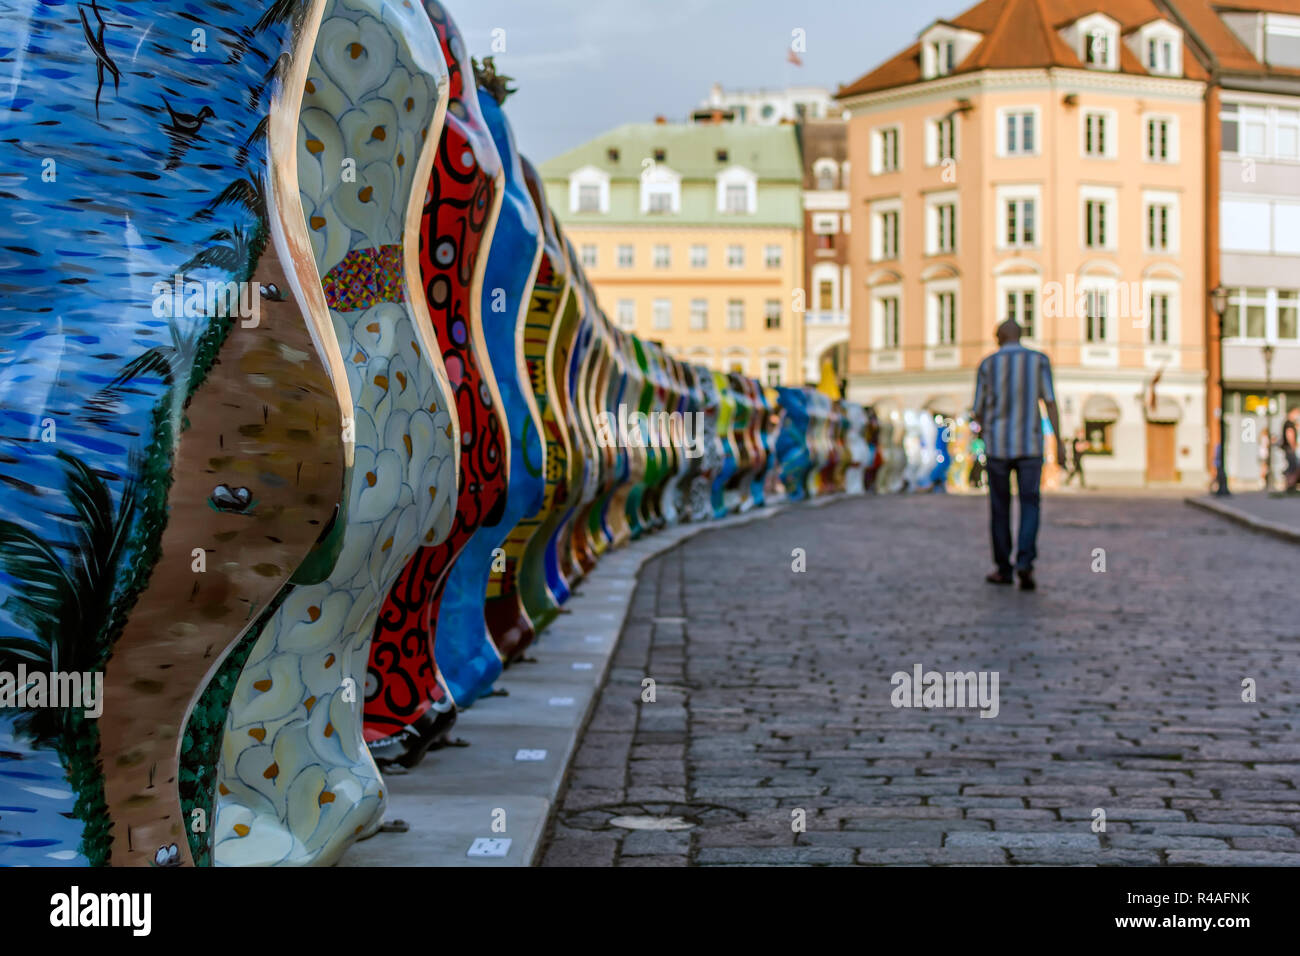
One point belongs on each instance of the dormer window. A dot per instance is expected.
(1097, 49)
(945, 57)
(737, 192)
(1159, 45)
(589, 190)
(824, 171)
(1095, 39)
(661, 155)
(661, 191)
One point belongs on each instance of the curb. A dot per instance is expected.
(453, 798)
(1249, 521)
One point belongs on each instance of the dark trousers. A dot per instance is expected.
(1028, 473)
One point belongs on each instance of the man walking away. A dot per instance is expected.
(1008, 387)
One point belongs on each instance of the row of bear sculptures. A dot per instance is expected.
(311, 422)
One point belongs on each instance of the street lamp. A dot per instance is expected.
(1268, 415)
(1219, 300)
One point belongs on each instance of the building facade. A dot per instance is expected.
(1252, 51)
(691, 235)
(1040, 160)
(794, 104)
(828, 285)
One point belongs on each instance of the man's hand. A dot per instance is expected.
(1060, 450)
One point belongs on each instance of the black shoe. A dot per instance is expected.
(998, 577)
(1027, 580)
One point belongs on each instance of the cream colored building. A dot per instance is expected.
(1041, 160)
(691, 236)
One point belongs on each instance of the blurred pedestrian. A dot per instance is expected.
(1078, 445)
(1292, 475)
(1009, 385)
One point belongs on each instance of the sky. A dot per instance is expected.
(585, 66)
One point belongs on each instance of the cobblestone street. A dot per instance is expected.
(1118, 690)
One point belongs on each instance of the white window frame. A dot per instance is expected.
(735, 256)
(1110, 196)
(1004, 146)
(1109, 130)
(879, 295)
(879, 139)
(822, 167)
(773, 256)
(878, 211)
(699, 256)
(1270, 118)
(627, 314)
(1171, 289)
(935, 154)
(1171, 138)
(737, 176)
(735, 315)
(1096, 25)
(588, 176)
(659, 179)
(767, 315)
(1008, 194)
(934, 291)
(589, 255)
(627, 261)
(1019, 286)
(1104, 351)
(699, 315)
(1171, 202)
(1161, 32)
(661, 256)
(825, 223)
(661, 315)
(935, 204)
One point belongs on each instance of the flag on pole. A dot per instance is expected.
(793, 57)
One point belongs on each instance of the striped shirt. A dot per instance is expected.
(1008, 385)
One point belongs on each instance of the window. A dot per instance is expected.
(612, 154)
(945, 139)
(1158, 317)
(772, 257)
(661, 155)
(661, 191)
(1019, 133)
(1267, 132)
(627, 314)
(1094, 225)
(1264, 315)
(659, 201)
(887, 322)
(1286, 136)
(588, 255)
(661, 312)
(1096, 312)
(737, 198)
(626, 259)
(885, 240)
(720, 155)
(943, 221)
(735, 257)
(1097, 48)
(772, 313)
(588, 197)
(1021, 306)
(825, 295)
(1021, 215)
(885, 152)
(1160, 145)
(1095, 135)
(1159, 219)
(1229, 127)
(945, 57)
(1259, 225)
(1160, 55)
(773, 373)
(1098, 437)
(735, 315)
(826, 175)
(945, 314)
(699, 257)
(699, 315)
(661, 257)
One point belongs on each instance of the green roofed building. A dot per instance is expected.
(691, 235)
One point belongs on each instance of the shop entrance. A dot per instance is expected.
(1160, 452)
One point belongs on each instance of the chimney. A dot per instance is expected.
(660, 120)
